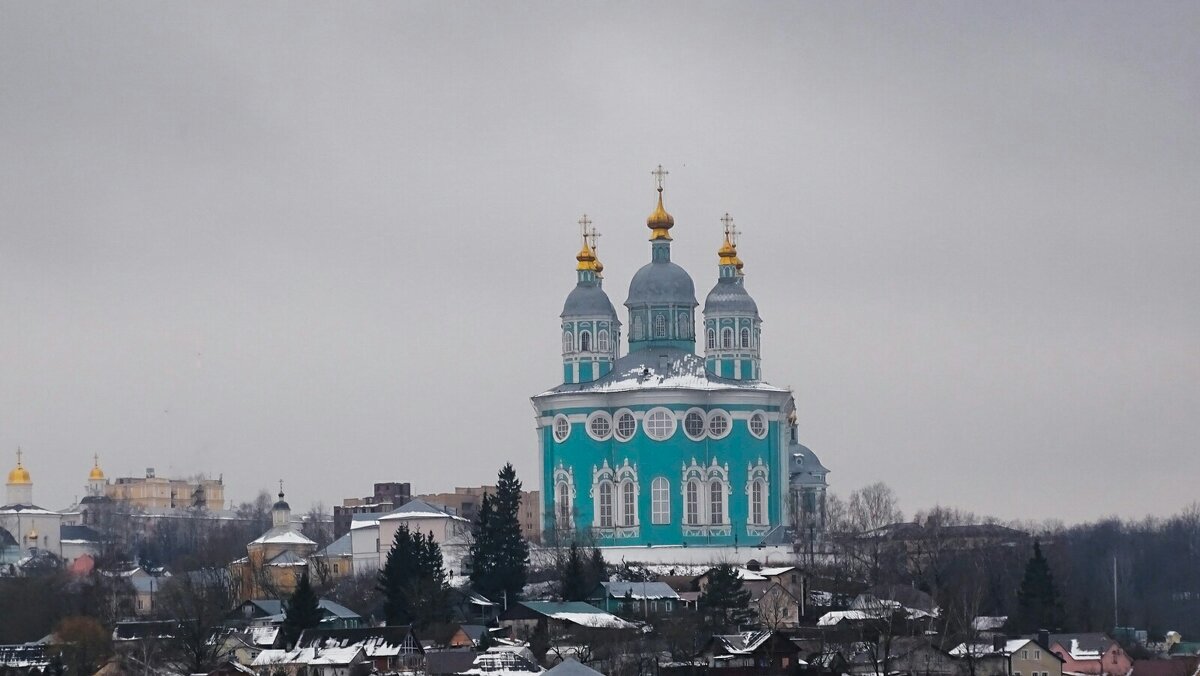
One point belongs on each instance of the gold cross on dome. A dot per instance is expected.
(584, 222)
(592, 235)
(18, 455)
(659, 174)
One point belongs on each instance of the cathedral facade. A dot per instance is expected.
(679, 441)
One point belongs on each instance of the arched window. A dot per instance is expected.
(660, 326)
(606, 504)
(685, 328)
(712, 339)
(692, 503)
(745, 337)
(568, 342)
(716, 503)
(628, 504)
(602, 341)
(758, 504)
(585, 342)
(660, 501)
(727, 338)
(637, 328)
(563, 502)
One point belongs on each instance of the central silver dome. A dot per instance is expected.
(661, 283)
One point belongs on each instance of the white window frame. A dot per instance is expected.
(585, 341)
(659, 413)
(602, 341)
(712, 417)
(596, 416)
(628, 495)
(703, 423)
(604, 512)
(717, 491)
(559, 435)
(660, 326)
(758, 502)
(660, 500)
(692, 506)
(766, 424)
(727, 338)
(711, 342)
(617, 418)
(568, 342)
(744, 337)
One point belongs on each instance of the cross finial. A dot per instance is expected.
(592, 235)
(18, 456)
(584, 222)
(96, 459)
(281, 488)
(659, 174)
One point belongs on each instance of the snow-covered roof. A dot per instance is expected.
(989, 622)
(744, 643)
(263, 636)
(572, 667)
(26, 509)
(310, 656)
(374, 641)
(980, 649)
(762, 573)
(646, 369)
(419, 509)
(287, 558)
(575, 612)
(364, 523)
(639, 590)
(282, 535)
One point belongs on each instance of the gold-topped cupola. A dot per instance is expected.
(19, 476)
(660, 222)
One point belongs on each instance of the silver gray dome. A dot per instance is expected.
(661, 283)
(588, 300)
(730, 296)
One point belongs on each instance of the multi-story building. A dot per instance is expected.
(465, 501)
(664, 446)
(385, 498)
(155, 494)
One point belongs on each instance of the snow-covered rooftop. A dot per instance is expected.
(282, 535)
(660, 369)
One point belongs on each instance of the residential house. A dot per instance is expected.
(1176, 666)
(465, 502)
(906, 655)
(270, 613)
(753, 651)
(1013, 657)
(572, 667)
(309, 661)
(1091, 653)
(503, 660)
(388, 649)
(365, 546)
(386, 497)
(636, 599)
(524, 617)
(334, 561)
(470, 607)
(776, 593)
(452, 533)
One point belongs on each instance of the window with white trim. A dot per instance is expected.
(636, 334)
(716, 503)
(712, 339)
(585, 342)
(628, 504)
(568, 342)
(659, 424)
(758, 503)
(626, 425)
(692, 503)
(562, 504)
(757, 424)
(606, 504)
(602, 340)
(718, 424)
(660, 500)
(660, 326)
(562, 428)
(599, 426)
(745, 337)
(727, 338)
(693, 424)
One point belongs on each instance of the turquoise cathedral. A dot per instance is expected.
(666, 446)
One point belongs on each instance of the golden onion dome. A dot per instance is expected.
(660, 222)
(19, 475)
(586, 258)
(728, 253)
(96, 474)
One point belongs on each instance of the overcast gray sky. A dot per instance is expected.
(329, 242)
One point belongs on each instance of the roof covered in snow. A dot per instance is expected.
(668, 368)
(639, 590)
(419, 509)
(575, 612)
(282, 535)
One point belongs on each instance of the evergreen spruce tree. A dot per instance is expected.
(1038, 603)
(413, 581)
(575, 577)
(725, 604)
(303, 611)
(597, 569)
(500, 555)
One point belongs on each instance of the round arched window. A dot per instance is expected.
(659, 424)
(757, 424)
(562, 428)
(718, 424)
(599, 426)
(625, 424)
(693, 424)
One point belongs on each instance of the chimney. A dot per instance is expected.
(1043, 637)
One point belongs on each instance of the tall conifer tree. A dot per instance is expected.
(303, 611)
(500, 555)
(1038, 603)
(413, 580)
(725, 604)
(575, 577)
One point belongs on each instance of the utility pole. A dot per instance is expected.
(1115, 622)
